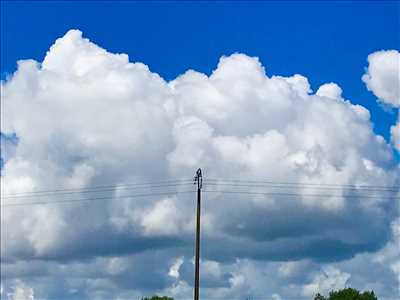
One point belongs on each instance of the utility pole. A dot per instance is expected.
(199, 180)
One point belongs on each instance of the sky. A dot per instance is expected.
(112, 93)
(324, 41)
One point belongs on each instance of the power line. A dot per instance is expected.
(92, 190)
(323, 196)
(281, 186)
(298, 195)
(104, 186)
(301, 183)
(93, 199)
(207, 182)
(216, 182)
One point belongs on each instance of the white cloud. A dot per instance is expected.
(162, 218)
(329, 279)
(395, 135)
(116, 265)
(330, 90)
(180, 290)
(292, 268)
(383, 79)
(390, 254)
(86, 117)
(276, 297)
(174, 270)
(383, 76)
(21, 292)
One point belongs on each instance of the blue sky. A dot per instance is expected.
(324, 41)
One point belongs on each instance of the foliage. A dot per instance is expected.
(158, 298)
(347, 294)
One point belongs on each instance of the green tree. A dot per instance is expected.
(158, 298)
(347, 294)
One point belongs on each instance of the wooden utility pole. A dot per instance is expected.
(199, 180)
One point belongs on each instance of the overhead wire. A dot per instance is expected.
(280, 186)
(101, 187)
(294, 194)
(156, 188)
(86, 191)
(213, 180)
(322, 196)
(93, 199)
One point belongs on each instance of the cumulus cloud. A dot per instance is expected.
(174, 270)
(86, 117)
(382, 76)
(330, 90)
(21, 291)
(390, 255)
(329, 279)
(395, 135)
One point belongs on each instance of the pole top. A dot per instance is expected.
(198, 179)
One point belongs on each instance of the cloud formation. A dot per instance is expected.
(86, 117)
(382, 76)
(395, 132)
(330, 279)
(21, 292)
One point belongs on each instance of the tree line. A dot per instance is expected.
(344, 294)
